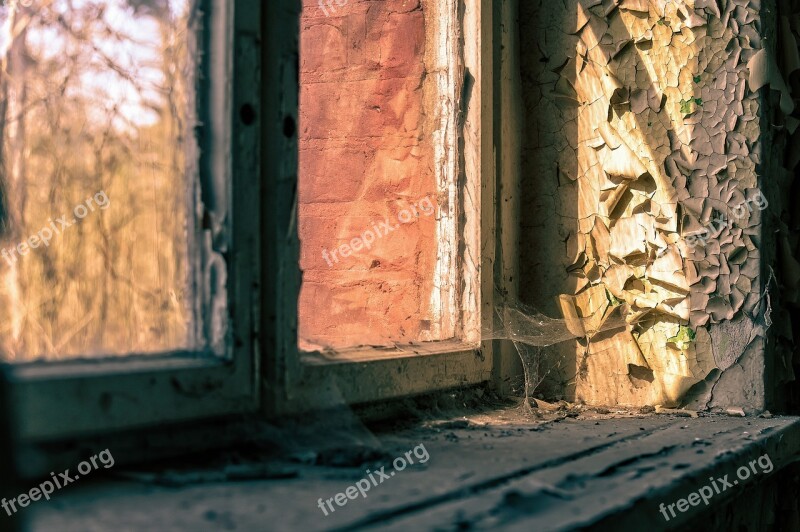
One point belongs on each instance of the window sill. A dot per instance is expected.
(487, 472)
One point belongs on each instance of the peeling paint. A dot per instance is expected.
(649, 114)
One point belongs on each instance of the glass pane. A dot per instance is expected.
(374, 247)
(96, 146)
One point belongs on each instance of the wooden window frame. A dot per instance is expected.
(131, 400)
(79, 398)
(296, 381)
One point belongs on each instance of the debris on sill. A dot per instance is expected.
(736, 412)
(676, 411)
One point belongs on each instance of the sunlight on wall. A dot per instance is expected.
(658, 127)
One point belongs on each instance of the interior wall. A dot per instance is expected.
(643, 165)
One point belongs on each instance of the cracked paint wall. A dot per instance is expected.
(644, 132)
(366, 153)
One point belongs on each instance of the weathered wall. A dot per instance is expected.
(642, 161)
(775, 72)
(365, 155)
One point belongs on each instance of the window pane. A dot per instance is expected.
(97, 145)
(374, 205)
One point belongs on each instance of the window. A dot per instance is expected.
(227, 341)
(137, 123)
(98, 108)
(394, 122)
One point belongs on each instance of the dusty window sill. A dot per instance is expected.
(490, 470)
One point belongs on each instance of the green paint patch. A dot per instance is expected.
(684, 337)
(690, 105)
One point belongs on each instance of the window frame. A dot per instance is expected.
(78, 398)
(298, 381)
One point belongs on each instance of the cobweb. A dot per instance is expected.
(535, 334)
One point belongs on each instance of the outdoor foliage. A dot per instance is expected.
(95, 97)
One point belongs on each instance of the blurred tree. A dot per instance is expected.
(95, 99)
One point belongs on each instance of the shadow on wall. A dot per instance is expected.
(638, 125)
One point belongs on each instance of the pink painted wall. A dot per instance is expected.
(365, 156)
